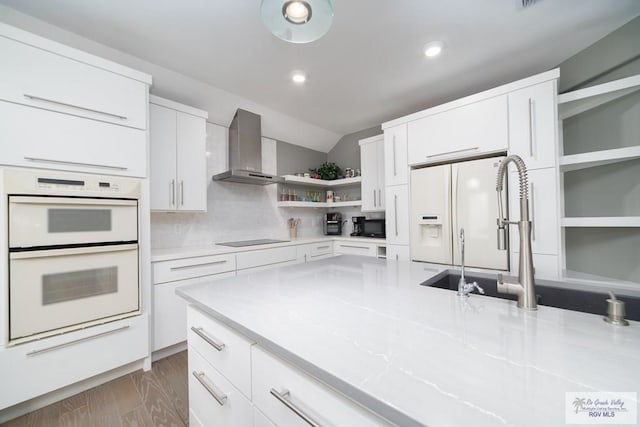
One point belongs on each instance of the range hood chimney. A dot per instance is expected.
(245, 152)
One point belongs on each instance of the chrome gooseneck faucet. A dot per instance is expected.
(464, 288)
(525, 288)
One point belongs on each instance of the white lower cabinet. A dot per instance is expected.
(169, 310)
(234, 382)
(314, 251)
(398, 252)
(282, 393)
(350, 247)
(42, 366)
(213, 400)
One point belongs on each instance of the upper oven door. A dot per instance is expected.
(50, 221)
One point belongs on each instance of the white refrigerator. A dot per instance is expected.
(446, 198)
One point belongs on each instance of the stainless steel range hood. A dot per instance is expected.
(245, 152)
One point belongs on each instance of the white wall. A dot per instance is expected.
(220, 104)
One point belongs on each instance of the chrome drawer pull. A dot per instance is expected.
(221, 398)
(454, 151)
(182, 267)
(212, 343)
(65, 162)
(282, 397)
(66, 344)
(322, 247)
(39, 98)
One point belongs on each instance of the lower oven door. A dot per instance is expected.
(64, 289)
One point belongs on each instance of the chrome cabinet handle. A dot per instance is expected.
(221, 398)
(322, 247)
(66, 162)
(395, 212)
(531, 124)
(454, 151)
(374, 198)
(282, 398)
(66, 344)
(182, 267)
(53, 101)
(173, 191)
(380, 197)
(395, 170)
(211, 342)
(182, 192)
(533, 218)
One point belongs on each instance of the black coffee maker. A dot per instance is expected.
(358, 225)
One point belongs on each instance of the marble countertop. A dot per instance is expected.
(422, 356)
(214, 249)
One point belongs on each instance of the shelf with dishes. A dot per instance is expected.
(306, 204)
(305, 181)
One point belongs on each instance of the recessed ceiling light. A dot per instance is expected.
(296, 11)
(297, 21)
(433, 49)
(298, 77)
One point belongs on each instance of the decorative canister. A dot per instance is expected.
(329, 196)
(348, 173)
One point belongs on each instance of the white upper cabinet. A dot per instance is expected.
(178, 156)
(49, 81)
(480, 127)
(533, 124)
(395, 155)
(372, 166)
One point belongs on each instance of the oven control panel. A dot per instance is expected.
(32, 181)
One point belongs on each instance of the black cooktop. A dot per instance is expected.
(242, 243)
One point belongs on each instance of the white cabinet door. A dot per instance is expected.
(33, 137)
(162, 156)
(192, 162)
(369, 167)
(533, 125)
(397, 215)
(178, 158)
(42, 79)
(398, 252)
(372, 165)
(543, 209)
(170, 311)
(480, 127)
(395, 155)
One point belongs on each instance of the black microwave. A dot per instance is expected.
(373, 228)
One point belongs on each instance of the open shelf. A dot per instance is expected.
(319, 204)
(579, 101)
(292, 179)
(602, 221)
(598, 158)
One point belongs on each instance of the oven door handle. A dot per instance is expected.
(34, 200)
(46, 253)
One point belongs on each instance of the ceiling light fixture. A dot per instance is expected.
(298, 77)
(433, 49)
(297, 21)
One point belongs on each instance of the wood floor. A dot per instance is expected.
(158, 398)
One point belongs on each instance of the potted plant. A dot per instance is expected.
(327, 171)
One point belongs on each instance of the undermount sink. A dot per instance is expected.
(568, 299)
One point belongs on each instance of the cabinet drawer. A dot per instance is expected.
(273, 378)
(355, 248)
(314, 251)
(49, 81)
(42, 366)
(265, 257)
(188, 268)
(232, 357)
(33, 137)
(206, 386)
(170, 311)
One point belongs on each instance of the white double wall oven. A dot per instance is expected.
(73, 251)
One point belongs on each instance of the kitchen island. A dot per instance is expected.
(416, 355)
